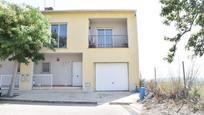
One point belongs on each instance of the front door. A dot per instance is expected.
(76, 74)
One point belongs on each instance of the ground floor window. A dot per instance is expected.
(46, 67)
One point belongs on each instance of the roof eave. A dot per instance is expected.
(92, 10)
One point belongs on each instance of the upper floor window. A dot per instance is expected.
(59, 33)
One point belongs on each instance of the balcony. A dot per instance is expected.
(108, 33)
(108, 41)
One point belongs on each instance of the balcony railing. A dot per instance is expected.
(108, 41)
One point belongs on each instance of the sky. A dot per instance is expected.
(152, 47)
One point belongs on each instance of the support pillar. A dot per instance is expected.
(26, 77)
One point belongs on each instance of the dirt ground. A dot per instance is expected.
(164, 109)
(169, 107)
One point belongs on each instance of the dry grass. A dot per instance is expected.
(172, 93)
(174, 86)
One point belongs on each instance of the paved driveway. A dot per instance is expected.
(75, 96)
(108, 103)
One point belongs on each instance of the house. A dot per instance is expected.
(96, 50)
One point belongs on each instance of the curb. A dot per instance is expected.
(120, 103)
(56, 102)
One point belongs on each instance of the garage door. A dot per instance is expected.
(111, 76)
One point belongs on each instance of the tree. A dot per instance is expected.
(185, 15)
(23, 33)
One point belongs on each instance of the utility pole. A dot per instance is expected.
(184, 76)
(155, 76)
(184, 79)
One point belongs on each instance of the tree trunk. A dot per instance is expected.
(13, 79)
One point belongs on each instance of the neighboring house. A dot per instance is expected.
(96, 50)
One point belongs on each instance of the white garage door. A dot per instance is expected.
(111, 76)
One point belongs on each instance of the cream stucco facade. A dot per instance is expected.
(79, 25)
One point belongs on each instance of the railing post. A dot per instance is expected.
(0, 81)
(51, 80)
(18, 77)
(0, 86)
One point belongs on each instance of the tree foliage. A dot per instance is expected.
(185, 15)
(24, 31)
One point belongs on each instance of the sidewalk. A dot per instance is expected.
(73, 97)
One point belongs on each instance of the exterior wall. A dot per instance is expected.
(62, 69)
(6, 67)
(78, 31)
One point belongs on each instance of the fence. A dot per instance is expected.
(42, 80)
(5, 80)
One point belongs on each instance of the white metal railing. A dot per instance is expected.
(42, 80)
(108, 41)
(5, 80)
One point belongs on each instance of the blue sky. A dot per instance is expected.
(152, 47)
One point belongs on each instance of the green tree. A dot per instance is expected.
(23, 33)
(185, 15)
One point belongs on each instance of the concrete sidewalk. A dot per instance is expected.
(73, 97)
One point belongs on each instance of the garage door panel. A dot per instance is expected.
(111, 76)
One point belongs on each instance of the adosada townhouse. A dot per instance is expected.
(96, 50)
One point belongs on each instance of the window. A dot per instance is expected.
(59, 33)
(46, 67)
(104, 39)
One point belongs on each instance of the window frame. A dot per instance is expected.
(58, 28)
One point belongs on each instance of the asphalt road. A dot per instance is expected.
(59, 109)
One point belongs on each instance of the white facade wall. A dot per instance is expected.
(6, 67)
